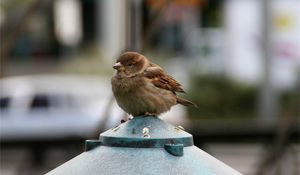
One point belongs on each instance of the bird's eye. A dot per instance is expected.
(130, 64)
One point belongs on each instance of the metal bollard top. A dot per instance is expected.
(144, 132)
(144, 145)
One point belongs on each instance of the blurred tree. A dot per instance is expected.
(217, 96)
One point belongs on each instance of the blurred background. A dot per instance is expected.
(239, 60)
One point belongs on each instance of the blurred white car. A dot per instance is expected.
(61, 106)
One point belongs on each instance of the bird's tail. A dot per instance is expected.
(185, 102)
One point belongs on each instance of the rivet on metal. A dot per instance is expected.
(146, 132)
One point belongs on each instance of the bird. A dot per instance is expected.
(142, 88)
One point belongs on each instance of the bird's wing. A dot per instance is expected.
(162, 80)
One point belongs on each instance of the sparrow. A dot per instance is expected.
(144, 88)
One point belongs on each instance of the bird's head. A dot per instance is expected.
(130, 63)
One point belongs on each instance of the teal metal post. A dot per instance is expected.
(145, 145)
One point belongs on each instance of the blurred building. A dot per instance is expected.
(223, 36)
(239, 59)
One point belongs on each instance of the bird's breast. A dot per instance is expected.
(139, 95)
(125, 85)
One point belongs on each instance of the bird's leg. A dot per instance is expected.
(150, 114)
(127, 118)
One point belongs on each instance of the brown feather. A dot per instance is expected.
(162, 80)
(185, 102)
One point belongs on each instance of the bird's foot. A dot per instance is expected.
(150, 114)
(125, 120)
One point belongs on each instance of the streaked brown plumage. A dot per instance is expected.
(143, 88)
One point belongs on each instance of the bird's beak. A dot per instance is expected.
(118, 66)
